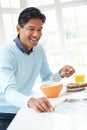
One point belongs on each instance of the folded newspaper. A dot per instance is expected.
(73, 103)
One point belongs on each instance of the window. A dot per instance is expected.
(40, 2)
(50, 39)
(9, 11)
(10, 27)
(76, 34)
(64, 1)
(75, 21)
(10, 3)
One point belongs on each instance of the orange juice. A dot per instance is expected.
(80, 78)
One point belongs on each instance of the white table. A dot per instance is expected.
(28, 119)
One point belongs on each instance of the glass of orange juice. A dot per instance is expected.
(79, 78)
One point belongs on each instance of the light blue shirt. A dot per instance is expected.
(18, 73)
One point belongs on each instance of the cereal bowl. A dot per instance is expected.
(51, 89)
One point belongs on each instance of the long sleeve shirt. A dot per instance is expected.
(18, 73)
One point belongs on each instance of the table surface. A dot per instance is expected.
(70, 114)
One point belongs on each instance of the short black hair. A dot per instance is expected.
(29, 13)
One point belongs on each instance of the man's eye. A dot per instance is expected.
(31, 29)
(39, 30)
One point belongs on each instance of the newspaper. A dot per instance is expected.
(74, 103)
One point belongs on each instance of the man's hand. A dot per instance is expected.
(66, 71)
(40, 104)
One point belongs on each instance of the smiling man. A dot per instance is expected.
(21, 61)
(30, 34)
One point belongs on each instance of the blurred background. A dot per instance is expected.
(64, 33)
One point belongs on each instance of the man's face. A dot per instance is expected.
(31, 33)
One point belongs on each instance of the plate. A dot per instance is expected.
(75, 89)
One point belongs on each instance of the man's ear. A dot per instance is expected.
(18, 28)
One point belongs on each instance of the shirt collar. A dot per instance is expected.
(21, 47)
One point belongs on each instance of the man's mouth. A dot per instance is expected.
(34, 39)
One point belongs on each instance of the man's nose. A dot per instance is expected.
(36, 33)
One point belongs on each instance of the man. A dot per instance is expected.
(21, 61)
